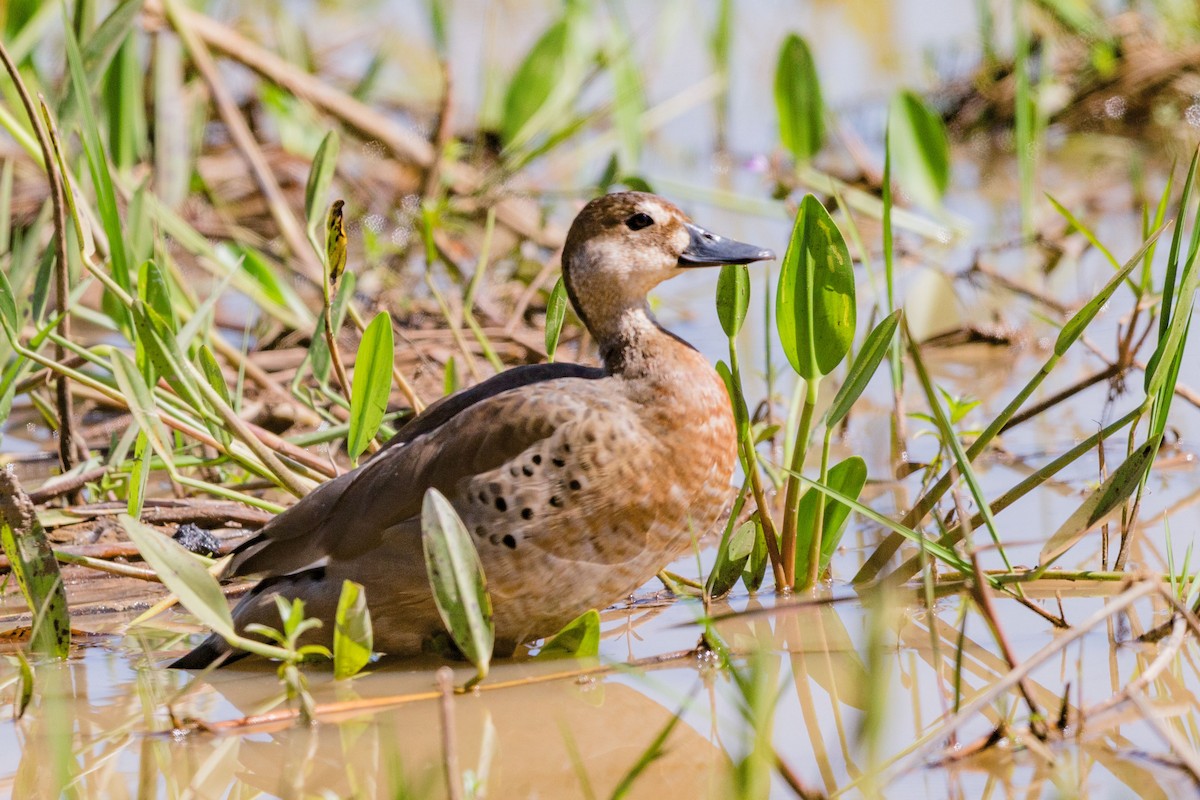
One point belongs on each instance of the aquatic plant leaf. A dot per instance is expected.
(733, 298)
(798, 100)
(556, 312)
(545, 84)
(457, 579)
(629, 101)
(183, 574)
(450, 377)
(139, 475)
(756, 565)
(25, 686)
(1100, 504)
(579, 638)
(920, 149)
(872, 353)
(732, 555)
(847, 477)
(320, 177)
(318, 349)
(815, 308)
(353, 636)
(371, 385)
(32, 561)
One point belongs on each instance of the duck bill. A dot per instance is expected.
(706, 249)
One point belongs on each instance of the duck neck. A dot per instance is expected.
(634, 345)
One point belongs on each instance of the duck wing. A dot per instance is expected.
(462, 435)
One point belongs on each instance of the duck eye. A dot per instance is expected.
(639, 221)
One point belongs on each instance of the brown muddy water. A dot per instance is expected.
(558, 730)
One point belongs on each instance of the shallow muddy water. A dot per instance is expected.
(566, 729)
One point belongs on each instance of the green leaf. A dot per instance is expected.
(320, 177)
(318, 350)
(372, 383)
(450, 377)
(920, 149)
(732, 556)
(183, 574)
(353, 636)
(733, 298)
(815, 308)
(156, 293)
(872, 353)
(848, 478)
(141, 405)
(579, 638)
(556, 312)
(1075, 326)
(8, 305)
(1100, 504)
(546, 82)
(798, 100)
(215, 378)
(457, 579)
(139, 475)
(154, 334)
(756, 566)
(32, 560)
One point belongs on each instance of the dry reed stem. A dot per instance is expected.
(243, 139)
(66, 438)
(518, 214)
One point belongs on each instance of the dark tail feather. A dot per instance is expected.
(212, 651)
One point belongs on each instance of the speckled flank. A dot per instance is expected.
(577, 486)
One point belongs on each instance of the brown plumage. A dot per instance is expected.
(577, 483)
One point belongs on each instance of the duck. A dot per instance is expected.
(577, 484)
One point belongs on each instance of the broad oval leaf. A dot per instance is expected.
(756, 565)
(353, 636)
(319, 179)
(920, 149)
(798, 100)
(733, 298)
(556, 312)
(371, 385)
(848, 478)
(183, 574)
(1100, 504)
(815, 306)
(872, 353)
(579, 638)
(457, 579)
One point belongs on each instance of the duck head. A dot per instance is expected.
(621, 246)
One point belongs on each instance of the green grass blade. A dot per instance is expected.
(872, 353)
(1100, 504)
